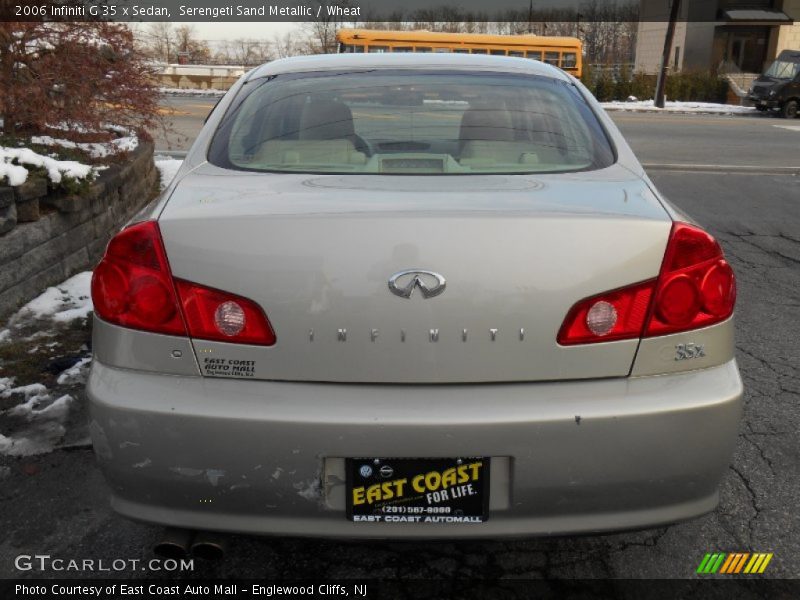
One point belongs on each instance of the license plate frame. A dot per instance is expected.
(387, 489)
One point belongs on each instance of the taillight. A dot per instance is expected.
(133, 287)
(615, 315)
(215, 315)
(695, 288)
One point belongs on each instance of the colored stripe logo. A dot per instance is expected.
(734, 563)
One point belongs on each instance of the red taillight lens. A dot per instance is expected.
(696, 288)
(133, 287)
(629, 306)
(215, 315)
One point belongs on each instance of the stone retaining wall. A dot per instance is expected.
(46, 238)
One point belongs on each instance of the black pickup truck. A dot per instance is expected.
(778, 88)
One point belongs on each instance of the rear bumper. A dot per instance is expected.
(266, 457)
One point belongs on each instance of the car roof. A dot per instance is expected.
(407, 60)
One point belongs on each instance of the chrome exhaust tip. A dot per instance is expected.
(209, 546)
(174, 543)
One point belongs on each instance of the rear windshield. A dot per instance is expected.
(410, 122)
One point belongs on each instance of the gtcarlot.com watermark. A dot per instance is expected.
(55, 564)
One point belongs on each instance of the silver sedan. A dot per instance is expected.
(412, 296)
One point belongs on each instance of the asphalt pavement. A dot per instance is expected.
(57, 503)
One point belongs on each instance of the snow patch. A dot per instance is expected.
(679, 107)
(39, 440)
(65, 302)
(167, 167)
(5, 384)
(43, 417)
(13, 174)
(126, 143)
(55, 409)
(76, 373)
(30, 390)
(13, 161)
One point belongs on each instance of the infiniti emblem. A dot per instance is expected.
(430, 284)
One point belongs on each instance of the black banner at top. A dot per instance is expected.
(361, 12)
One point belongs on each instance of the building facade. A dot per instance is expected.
(732, 36)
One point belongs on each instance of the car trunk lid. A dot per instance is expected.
(317, 253)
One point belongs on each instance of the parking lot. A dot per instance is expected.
(739, 177)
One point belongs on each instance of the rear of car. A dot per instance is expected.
(412, 296)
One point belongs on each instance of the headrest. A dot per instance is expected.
(326, 120)
(487, 124)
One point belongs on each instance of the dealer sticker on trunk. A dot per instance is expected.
(417, 490)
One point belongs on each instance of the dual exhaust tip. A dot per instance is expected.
(181, 543)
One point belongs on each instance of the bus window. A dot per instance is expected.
(534, 54)
(515, 53)
(350, 48)
(551, 58)
(441, 50)
(379, 49)
(422, 49)
(461, 50)
(497, 52)
(479, 50)
(403, 49)
(569, 60)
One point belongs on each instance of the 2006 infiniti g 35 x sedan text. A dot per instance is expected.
(412, 296)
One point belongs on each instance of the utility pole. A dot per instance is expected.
(662, 72)
(530, 17)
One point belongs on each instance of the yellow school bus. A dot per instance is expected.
(564, 52)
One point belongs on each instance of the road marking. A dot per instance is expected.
(687, 118)
(172, 112)
(789, 127)
(733, 169)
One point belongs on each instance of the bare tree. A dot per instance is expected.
(159, 40)
(321, 33)
(287, 44)
(188, 44)
(244, 51)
